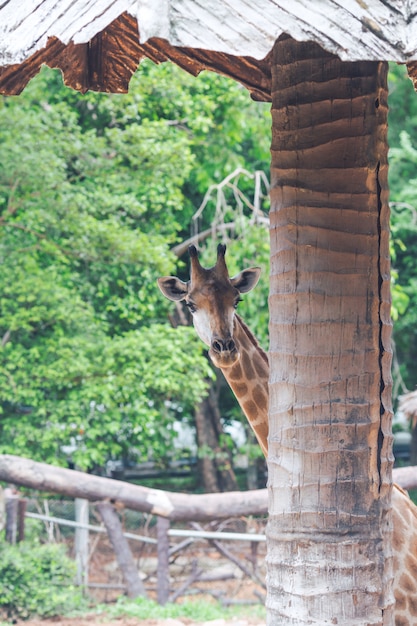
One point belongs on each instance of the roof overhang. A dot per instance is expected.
(99, 43)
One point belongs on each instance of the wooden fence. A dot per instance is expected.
(167, 507)
(168, 542)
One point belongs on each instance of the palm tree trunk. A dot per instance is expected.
(330, 462)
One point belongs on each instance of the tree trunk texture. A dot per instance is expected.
(215, 462)
(121, 549)
(330, 459)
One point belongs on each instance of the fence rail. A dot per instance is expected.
(172, 532)
(96, 529)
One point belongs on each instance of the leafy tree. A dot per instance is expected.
(94, 191)
(84, 356)
(403, 188)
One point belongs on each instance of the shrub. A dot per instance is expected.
(37, 580)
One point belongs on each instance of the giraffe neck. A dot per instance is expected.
(248, 379)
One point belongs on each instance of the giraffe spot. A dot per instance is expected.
(397, 541)
(248, 367)
(401, 621)
(403, 514)
(412, 604)
(411, 565)
(235, 372)
(260, 398)
(250, 408)
(260, 367)
(240, 389)
(262, 431)
(406, 583)
(413, 544)
(400, 601)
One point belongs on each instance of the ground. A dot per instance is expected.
(222, 579)
(100, 620)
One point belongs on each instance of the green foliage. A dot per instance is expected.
(94, 191)
(114, 396)
(223, 128)
(36, 580)
(403, 188)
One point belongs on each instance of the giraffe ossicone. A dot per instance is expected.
(212, 297)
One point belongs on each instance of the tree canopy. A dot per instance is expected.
(94, 192)
(403, 196)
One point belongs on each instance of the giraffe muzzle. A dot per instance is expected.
(223, 345)
(223, 352)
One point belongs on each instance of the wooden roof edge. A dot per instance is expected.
(108, 61)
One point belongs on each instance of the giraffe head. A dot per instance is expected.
(212, 298)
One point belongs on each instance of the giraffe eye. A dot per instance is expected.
(191, 307)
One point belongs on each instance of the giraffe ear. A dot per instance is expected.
(246, 280)
(173, 288)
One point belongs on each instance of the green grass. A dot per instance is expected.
(141, 608)
(198, 611)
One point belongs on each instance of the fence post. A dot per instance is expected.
(122, 549)
(162, 527)
(81, 541)
(21, 512)
(12, 499)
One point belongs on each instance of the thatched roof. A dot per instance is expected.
(99, 43)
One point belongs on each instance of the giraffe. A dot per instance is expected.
(212, 298)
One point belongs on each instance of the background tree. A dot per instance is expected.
(403, 196)
(94, 192)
